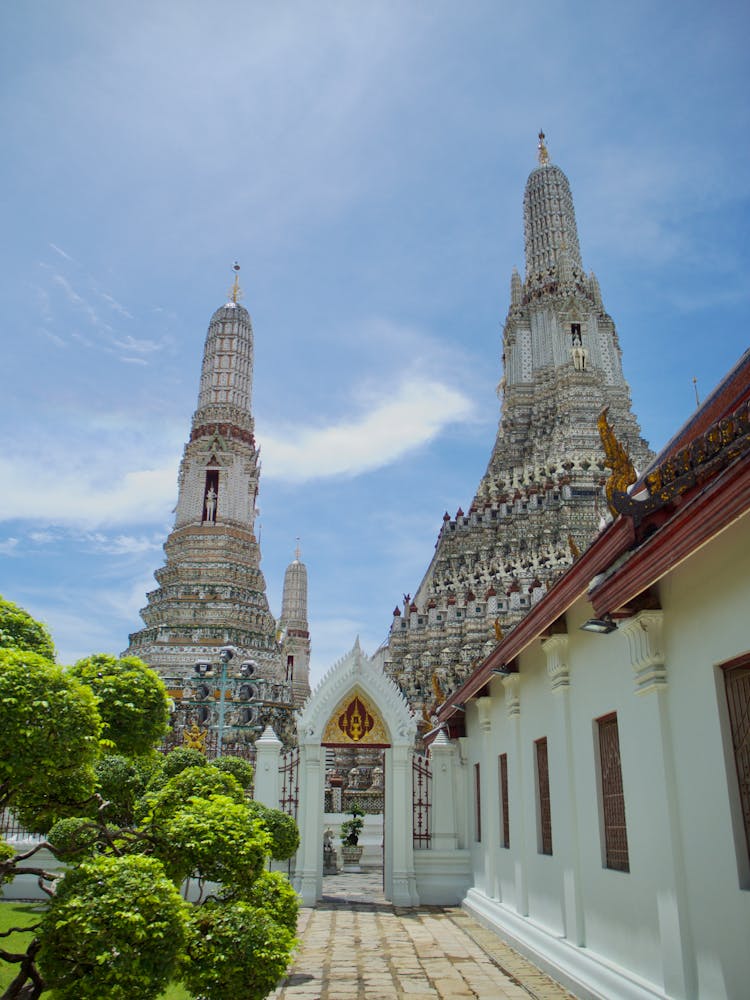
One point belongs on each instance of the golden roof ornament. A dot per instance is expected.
(617, 459)
(543, 153)
(235, 291)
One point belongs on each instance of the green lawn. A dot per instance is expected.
(25, 914)
(18, 915)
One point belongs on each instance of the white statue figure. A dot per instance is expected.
(211, 504)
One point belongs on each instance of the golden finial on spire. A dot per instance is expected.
(235, 291)
(543, 154)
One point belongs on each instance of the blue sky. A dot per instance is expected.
(365, 162)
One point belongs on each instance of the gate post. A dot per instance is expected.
(403, 888)
(268, 753)
(308, 876)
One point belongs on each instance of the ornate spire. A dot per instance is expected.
(225, 394)
(549, 218)
(543, 154)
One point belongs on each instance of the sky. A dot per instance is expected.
(365, 163)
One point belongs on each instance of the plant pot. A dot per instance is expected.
(351, 854)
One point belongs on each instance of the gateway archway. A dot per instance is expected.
(356, 705)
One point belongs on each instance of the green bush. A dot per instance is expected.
(234, 951)
(113, 931)
(283, 830)
(272, 893)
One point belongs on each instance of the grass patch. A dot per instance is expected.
(18, 915)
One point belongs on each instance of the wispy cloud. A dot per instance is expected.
(80, 302)
(411, 416)
(9, 546)
(139, 346)
(114, 304)
(61, 252)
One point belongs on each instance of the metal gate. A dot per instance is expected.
(421, 772)
(289, 792)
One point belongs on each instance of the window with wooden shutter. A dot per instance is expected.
(543, 801)
(737, 685)
(502, 767)
(613, 797)
(477, 804)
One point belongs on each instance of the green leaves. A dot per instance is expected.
(46, 753)
(18, 630)
(235, 950)
(132, 701)
(113, 931)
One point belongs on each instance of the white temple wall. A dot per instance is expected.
(678, 920)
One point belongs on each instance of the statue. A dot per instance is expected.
(329, 853)
(211, 504)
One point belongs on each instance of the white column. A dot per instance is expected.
(268, 755)
(518, 838)
(658, 786)
(403, 879)
(444, 819)
(488, 796)
(308, 877)
(565, 824)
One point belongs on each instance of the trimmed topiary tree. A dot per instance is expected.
(113, 931)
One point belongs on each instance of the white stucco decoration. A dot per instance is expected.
(356, 670)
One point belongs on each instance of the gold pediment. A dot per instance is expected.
(356, 722)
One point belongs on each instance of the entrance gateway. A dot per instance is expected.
(357, 706)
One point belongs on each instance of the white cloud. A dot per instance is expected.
(61, 252)
(139, 346)
(8, 546)
(76, 495)
(411, 416)
(121, 545)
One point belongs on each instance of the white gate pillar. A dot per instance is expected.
(267, 757)
(399, 819)
(308, 876)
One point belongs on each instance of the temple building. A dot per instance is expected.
(541, 500)
(212, 593)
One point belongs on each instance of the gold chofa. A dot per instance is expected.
(617, 459)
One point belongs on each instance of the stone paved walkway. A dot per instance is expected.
(356, 945)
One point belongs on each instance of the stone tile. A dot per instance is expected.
(354, 946)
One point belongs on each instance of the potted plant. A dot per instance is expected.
(350, 831)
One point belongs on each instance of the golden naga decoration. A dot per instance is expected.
(617, 459)
(574, 550)
(437, 690)
(724, 442)
(195, 738)
(426, 717)
(499, 635)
